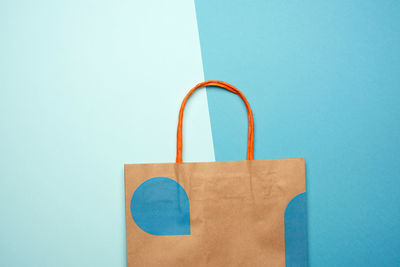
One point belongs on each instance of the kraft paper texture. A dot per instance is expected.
(236, 213)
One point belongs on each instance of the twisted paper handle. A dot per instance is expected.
(231, 88)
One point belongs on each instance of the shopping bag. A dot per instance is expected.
(232, 213)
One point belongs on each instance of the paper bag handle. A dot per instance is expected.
(231, 88)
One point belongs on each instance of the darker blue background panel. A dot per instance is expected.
(160, 206)
(296, 248)
(323, 80)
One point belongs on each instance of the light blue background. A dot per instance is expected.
(323, 79)
(86, 86)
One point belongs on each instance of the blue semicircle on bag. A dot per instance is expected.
(160, 206)
(296, 252)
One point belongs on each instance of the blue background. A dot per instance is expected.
(86, 86)
(323, 80)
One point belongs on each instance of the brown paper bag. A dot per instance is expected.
(233, 213)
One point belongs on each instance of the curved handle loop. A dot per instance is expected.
(231, 88)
